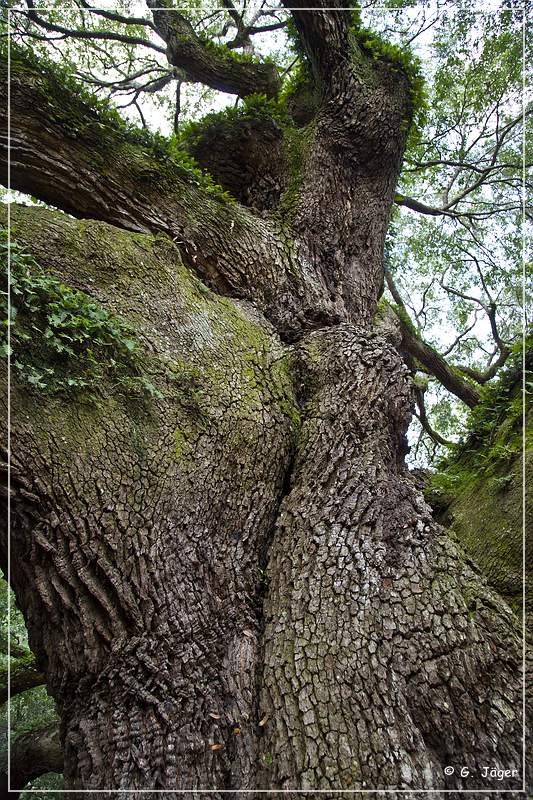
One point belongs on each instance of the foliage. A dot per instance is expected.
(19, 635)
(33, 708)
(254, 107)
(463, 159)
(60, 339)
(222, 51)
(502, 402)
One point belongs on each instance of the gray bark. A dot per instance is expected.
(387, 657)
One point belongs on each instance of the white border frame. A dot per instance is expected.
(523, 790)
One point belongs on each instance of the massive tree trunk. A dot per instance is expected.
(234, 583)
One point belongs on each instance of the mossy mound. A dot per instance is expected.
(478, 492)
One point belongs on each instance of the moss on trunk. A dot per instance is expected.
(479, 493)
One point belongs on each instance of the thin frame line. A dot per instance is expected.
(9, 400)
(267, 8)
(265, 791)
(524, 313)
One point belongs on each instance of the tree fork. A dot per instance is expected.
(144, 553)
(60, 153)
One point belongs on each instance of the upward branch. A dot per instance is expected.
(87, 163)
(213, 65)
(324, 34)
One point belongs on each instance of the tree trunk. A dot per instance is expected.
(140, 535)
(141, 542)
(234, 584)
(383, 648)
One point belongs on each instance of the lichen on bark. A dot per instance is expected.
(237, 585)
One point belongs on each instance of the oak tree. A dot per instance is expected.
(230, 578)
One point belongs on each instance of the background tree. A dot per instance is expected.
(229, 577)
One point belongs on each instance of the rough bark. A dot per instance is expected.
(387, 657)
(129, 536)
(247, 158)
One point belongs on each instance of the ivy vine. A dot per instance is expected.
(60, 340)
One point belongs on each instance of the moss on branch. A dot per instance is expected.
(23, 674)
(401, 58)
(95, 120)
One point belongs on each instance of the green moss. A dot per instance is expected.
(254, 107)
(179, 443)
(215, 366)
(477, 490)
(230, 55)
(374, 47)
(297, 144)
(494, 431)
(402, 314)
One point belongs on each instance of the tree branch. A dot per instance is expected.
(115, 17)
(427, 356)
(33, 754)
(60, 148)
(62, 164)
(422, 416)
(24, 675)
(214, 66)
(85, 34)
(324, 34)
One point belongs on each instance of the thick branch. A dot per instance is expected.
(437, 366)
(32, 754)
(211, 65)
(72, 157)
(324, 34)
(60, 152)
(24, 675)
